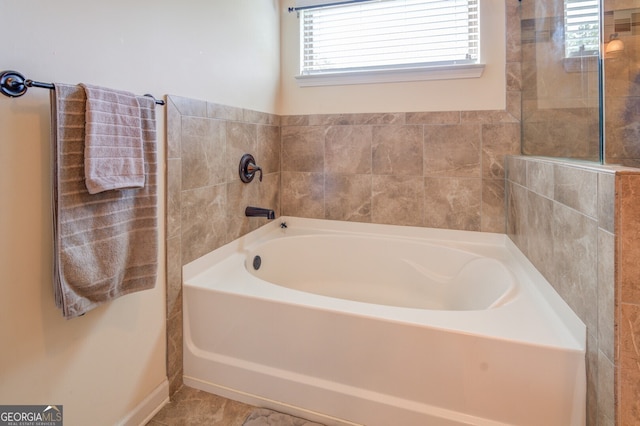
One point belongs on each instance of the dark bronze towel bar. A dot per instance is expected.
(13, 84)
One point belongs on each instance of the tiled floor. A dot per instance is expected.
(191, 407)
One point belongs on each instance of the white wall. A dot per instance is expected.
(485, 93)
(102, 365)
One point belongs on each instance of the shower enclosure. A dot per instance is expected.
(581, 80)
(561, 78)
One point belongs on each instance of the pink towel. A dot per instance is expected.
(113, 154)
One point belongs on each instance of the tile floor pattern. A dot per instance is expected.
(192, 407)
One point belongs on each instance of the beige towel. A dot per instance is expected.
(113, 155)
(106, 244)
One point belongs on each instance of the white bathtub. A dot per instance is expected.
(350, 323)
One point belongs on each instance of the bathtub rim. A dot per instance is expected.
(575, 329)
(202, 263)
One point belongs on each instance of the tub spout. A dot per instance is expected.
(259, 212)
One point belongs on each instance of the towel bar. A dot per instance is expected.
(13, 84)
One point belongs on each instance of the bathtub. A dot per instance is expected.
(349, 323)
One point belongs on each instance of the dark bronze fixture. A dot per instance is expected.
(259, 212)
(13, 84)
(248, 168)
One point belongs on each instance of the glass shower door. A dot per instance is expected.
(561, 96)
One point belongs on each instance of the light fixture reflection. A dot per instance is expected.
(615, 45)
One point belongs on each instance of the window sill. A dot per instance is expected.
(443, 72)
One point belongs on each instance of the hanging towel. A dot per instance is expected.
(113, 154)
(105, 245)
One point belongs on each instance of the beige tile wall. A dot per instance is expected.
(205, 196)
(578, 224)
(442, 169)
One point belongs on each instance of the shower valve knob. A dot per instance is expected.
(248, 168)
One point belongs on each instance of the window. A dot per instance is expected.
(372, 39)
(581, 28)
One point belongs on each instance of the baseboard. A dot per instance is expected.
(148, 407)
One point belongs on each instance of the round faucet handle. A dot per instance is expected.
(248, 168)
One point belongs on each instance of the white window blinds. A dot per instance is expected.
(581, 27)
(304, 4)
(389, 34)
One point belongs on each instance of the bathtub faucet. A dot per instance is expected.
(259, 212)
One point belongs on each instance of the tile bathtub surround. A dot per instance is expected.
(578, 224)
(205, 197)
(435, 169)
(440, 169)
